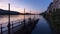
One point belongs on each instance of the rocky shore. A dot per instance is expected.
(54, 20)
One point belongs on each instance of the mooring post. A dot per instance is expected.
(1, 28)
(30, 16)
(9, 19)
(24, 16)
(12, 27)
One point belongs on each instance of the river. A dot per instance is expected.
(4, 18)
(42, 27)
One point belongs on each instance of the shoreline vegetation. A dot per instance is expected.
(54, 20)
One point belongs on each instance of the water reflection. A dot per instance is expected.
(42, 27)
(4, 18)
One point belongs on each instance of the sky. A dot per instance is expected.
(36, 6)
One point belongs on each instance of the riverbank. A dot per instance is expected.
(50, 23)
(54, 21)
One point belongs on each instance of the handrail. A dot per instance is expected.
(12, 26)
(1, 28)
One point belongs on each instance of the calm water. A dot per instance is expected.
(4, 19)
(42, 26)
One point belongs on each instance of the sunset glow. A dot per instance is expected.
(19, 5)
(12, 7)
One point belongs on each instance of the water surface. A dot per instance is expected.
(42, 27)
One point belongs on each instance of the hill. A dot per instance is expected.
(6, 12)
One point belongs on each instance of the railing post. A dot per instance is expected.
(9, 19)
(30, 16)
(1, 28)
(19, 22)
(24, 17)
(12, 27)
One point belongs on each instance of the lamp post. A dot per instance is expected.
(24, 16)
(30, 16)
(30, 13)
(9, 18)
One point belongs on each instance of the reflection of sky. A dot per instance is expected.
(40, 5)
(42, 27)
